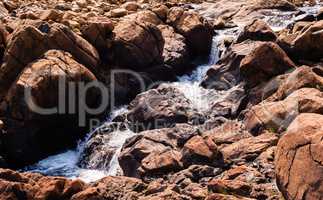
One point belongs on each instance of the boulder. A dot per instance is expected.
(226, 74)
(302, 77)
(97, 31)
(136, 45)
(248, 149)
(14, 185)
(161, 11)
(41, 37)
(298, 159)
(112, 188)
(162, 107)
(276, 116)
(33, 108)
(155, 152)
(175, 52)
(304, 43)
(264, 62)
(118, 12)
(257, 30)
(194, 28)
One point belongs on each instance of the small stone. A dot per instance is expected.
(119, 12)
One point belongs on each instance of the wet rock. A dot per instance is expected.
(276, 116)
(42, 37)
(193, 27)
(264, 62)
(175, 51)
(257, 30)
(241, 12)
(298, 158)
(304, 43)
(31, 128)
(161, 107)
(136, 45)
(226, 74)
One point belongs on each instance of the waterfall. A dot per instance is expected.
(66, 163)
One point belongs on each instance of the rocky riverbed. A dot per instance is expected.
(193, 100)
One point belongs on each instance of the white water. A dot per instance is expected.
(65, 164)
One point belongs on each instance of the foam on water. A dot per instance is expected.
(65, 164)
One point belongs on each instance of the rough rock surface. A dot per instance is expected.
(298, 158)
(31, 132)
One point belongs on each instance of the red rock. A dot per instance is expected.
(264, 62)
(257, 30)
(32, 134)
(299, 159)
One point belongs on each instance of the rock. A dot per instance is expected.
(226, 74)
(112, 188)
(97, 31)
(200, 150)
(298, 158)
(302, 77)
(136, 45)
(14, 185)
(276, 116)
(118, 12)
(130, 6)
(31, 121)
(320, 14)
(193, 27)
(257, 30)
(161, 11)
(228, 186)
(161, 107)
(248, 149)
(304, 43)
(155, 152)
(3, 42)
(42, 37)
(242, 12)
(54, 15)
(265, 61)
(176, 52)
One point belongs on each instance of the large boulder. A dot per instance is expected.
(226, 74)
(276, 116)
(97, 31)
(37, 102)
(264, 62)
(302, 77)
(303, 42)
(162, 107)
(193, 27)
(299, 159)
(155, 152)
(176, 52)
(137, 43)
(41, 37)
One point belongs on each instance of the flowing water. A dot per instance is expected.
(66, 164)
